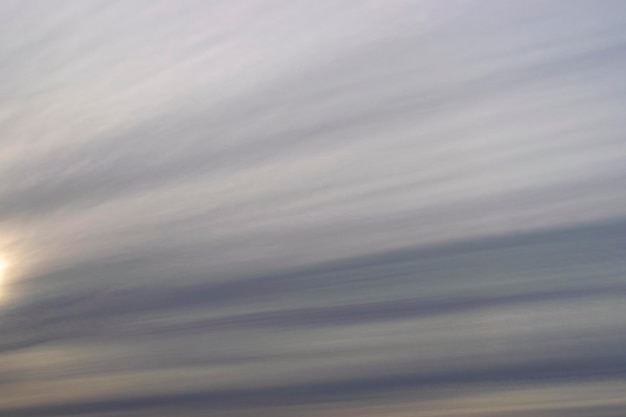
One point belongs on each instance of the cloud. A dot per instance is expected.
(325, 392)
(337, 200)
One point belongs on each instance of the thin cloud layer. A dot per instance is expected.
(259, 207)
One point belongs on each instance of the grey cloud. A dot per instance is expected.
(356, 203)
(156, 153)
(438, 270)
(323, 392)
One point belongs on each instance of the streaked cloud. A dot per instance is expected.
(312, 208)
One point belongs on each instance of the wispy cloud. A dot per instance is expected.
(311, 207)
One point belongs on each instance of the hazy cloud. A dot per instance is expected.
(312, 207)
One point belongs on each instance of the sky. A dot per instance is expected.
(399, 208)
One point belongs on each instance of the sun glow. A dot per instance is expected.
(3, 268)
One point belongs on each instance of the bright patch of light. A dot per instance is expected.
(3, 268)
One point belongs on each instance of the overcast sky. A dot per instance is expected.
(313, 208)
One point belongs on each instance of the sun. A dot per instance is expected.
(3, 268)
